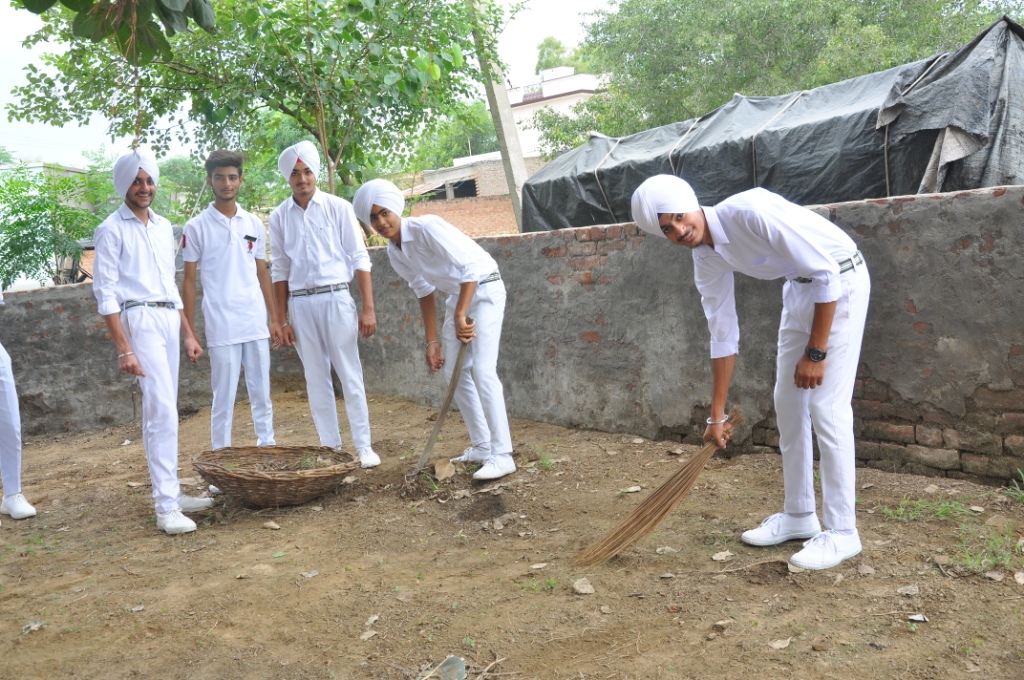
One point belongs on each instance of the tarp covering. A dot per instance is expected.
(951, 122)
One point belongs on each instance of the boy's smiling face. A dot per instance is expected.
(386, 222)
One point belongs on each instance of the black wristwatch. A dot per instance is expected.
(815, 354)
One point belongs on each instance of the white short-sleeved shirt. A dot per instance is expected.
(134, 261)
(763, 235)
(226, 250)
(436, 255)
(319, 246)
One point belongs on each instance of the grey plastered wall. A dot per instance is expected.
(604, 330)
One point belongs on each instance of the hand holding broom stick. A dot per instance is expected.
(648, 515)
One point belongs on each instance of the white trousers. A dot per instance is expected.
(479, 393)
(327, 334)
(10, 428)
(154, 334)
(827, 409)
(226, 362)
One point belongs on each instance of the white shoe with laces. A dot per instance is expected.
(826, 550)
(496, 467)
(17, 507)
(194, 504)
(174, 522)
(368, 458)
(473, 454)
(781, 527)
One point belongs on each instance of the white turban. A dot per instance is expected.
(127, 167)
(377, 192)
(303, 151)
(661, 194)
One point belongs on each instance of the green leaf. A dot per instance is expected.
(173, 5)
(202, 10)
(435, 71)
(457, 59)
(38, 6)
(279, 554)
(174, 21)
(391, 78)
(354, 7)
(87, 26)
(76, 5)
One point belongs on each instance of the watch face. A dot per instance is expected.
(814, 354)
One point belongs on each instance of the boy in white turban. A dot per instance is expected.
(317, 248)
(14, 504)
(430, 255)
(133, 280)
(825, 303)
(227, 244)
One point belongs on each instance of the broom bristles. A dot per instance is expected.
(646, 516)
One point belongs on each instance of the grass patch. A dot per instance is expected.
(987, 551)
(922, 509)
(1016, 490)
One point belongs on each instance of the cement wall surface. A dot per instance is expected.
(604, 330)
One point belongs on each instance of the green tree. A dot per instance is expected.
(467, 131)
(5, 156)
(673, 60)
(42, 216)
(552, 53)
(356, 75)
(131, 26)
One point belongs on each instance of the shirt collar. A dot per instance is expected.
(126, 213)
(315, 198)
(715, 227)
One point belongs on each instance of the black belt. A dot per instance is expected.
(302, 292)
(844, 266)
(496, 276)
(137, 303)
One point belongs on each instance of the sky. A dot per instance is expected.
(563, 19)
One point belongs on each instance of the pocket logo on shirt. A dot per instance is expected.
(251, 240)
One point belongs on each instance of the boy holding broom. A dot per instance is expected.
(825, 302)
(433, 255)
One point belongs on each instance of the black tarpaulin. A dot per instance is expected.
(951, 122)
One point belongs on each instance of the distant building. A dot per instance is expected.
(472, 194)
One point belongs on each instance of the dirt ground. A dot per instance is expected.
(377, 581)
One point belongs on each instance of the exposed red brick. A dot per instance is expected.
(555, 279)
(1010, 423)
(974, 464)
(1010, 400)
(584, 263)
(909, 305)
(584, 277)
(614, 231)
(582, 234)
(998, 191)
(582, 248)
(554, 251)
(592, 337)
(922, 328)
(867, 409)
(1013, 445)
(1016, 350)
(903, 199)
(598, 234)
(928, 435)
(902, 434)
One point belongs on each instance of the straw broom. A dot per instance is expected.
(648, 515)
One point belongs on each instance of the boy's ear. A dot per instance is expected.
(209, 183)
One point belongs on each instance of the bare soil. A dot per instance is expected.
(382, 580)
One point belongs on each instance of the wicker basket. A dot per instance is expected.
(275, 475)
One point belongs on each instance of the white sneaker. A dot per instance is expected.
(368, 458)
(17, 507)
(473, 454)
(826, 550)
(193, 504)
(780, 528)
(496, 467)
(174, 522)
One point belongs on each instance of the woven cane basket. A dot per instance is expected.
(273, 476)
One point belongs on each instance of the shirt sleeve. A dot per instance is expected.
(191, 242)
(280, 265)
(107, 245)
(261, 238)
(352, 240)
(716, 285)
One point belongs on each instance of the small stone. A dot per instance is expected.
(908, 590)
(271, 525)
(372, 620)
(977, 508)
(583, 587)
(677, 451)
(722, 625)
(918, 618)
(138, 608)
(539, 565)
(1019, 578)
(820, 647)
(351, 479)
(711, 636)
(996, 576)
(723, 556)
(638, 441)
(310, 574)
(667, 575)
(666, 550)
(780, 644)
(443, 469)
(793, 569)
(867, 486)
(931, 488)
(941, 560)
(367, 635)
(630, 489)
(605, 609)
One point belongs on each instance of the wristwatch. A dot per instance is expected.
(815, 354)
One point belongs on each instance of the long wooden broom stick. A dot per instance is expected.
(646, 516)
